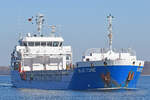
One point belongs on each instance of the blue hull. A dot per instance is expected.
(85, 78)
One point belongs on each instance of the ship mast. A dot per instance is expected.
(53, 28)
(110, 31)
(39, 22)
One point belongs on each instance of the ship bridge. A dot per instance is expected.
(41, 41)
(39, 52)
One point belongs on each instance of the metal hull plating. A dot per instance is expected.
(85, 78)
(91, 78)
(55, 82)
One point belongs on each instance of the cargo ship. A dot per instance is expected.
(43, 62)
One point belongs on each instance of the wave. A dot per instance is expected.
(5, 85)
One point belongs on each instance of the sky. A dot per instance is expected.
(82, 24)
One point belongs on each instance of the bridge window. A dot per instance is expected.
(49, 43)
(37, 43)
(43, 43)
(24, 44)
(31, 43)
(55, 44)
(60, 44)
(68, 57)
(20, 43)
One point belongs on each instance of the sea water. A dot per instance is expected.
(7, 92)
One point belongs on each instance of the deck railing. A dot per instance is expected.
(105, 50)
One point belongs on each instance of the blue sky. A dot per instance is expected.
(83, 24)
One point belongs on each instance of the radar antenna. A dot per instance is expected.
(110, 17)
(39, 22)
(53, 30)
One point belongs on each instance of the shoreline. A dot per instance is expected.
(145, 75)
(9, 75)
(4, 74)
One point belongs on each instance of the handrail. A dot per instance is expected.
(105, 50)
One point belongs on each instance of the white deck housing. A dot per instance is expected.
(110, 57)
(39, 52)
(43, 57)
(97, 57)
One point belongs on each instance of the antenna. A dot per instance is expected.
(110, 30)
(59, 29)
(20, 36)
(39, 22)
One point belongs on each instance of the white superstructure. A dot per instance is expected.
(39, 52)
(101, 56)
